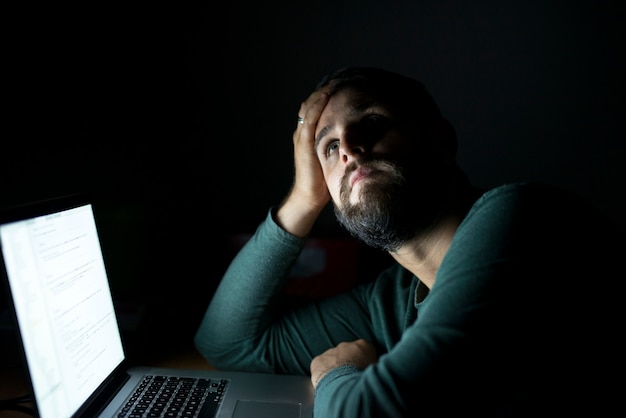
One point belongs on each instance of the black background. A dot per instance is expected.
(178, 118)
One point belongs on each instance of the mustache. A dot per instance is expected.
(373, 161)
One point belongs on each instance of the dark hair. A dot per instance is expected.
(407, 96)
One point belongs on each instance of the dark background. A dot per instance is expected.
(178, 119)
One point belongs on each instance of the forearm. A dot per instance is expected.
(246, 300)
(297, 215)
(349, 392)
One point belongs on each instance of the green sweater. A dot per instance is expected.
(506, 327)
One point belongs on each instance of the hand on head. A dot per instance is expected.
(309, 194)
(309, 181)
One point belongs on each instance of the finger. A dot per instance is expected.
(312, 107)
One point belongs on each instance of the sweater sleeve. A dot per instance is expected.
(248, 327)
(247, 299)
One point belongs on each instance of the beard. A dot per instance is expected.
(389, 210)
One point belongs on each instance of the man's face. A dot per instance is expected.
(353, 136)
(375, 173)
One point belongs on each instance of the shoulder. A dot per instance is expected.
(524, 203)
(529, 221)
(537, 221)
(525, 193)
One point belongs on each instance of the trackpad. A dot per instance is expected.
(259, 409)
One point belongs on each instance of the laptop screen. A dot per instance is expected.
(63, 306)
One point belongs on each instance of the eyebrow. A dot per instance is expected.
(321, 135)
(353, 109)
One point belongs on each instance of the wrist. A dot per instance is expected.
(296, 217)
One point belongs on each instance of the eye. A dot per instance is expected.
(331, 147)
(374, 123)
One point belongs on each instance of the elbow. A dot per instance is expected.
(222, 357)
(207, 350)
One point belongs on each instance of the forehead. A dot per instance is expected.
(348, 101)
(344, 106)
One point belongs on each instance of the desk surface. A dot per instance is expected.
(13, 384)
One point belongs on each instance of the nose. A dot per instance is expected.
(350, 148)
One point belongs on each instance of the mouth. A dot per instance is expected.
(359, 174)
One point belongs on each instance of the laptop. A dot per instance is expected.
(53, 265)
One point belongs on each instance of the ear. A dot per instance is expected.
(444, 135)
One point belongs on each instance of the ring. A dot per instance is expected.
(300, 120)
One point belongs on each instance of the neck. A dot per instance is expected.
(422, 255)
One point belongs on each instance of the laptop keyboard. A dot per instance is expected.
(166, 396)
